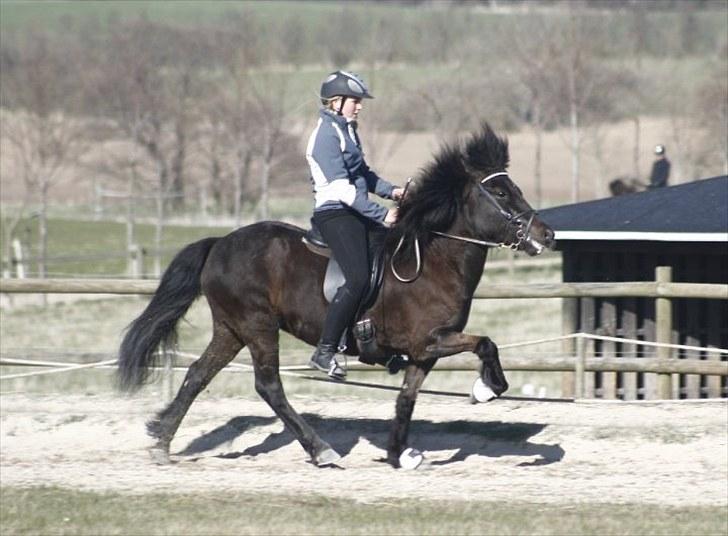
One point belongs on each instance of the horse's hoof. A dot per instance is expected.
(410, 459)
(481, 392)
(154, 429)
(328, 456)
(160, 455)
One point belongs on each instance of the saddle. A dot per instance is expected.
(335, 277)
(363, 329)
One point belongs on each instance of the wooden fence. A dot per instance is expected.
(576, 360)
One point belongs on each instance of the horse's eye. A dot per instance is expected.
(500, 193)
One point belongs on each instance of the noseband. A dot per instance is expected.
(523, 233)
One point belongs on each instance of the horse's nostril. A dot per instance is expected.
(549, 235)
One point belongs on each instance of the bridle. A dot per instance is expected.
(523, 233)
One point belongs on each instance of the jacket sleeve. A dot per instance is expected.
(368, 208)
(377, 184)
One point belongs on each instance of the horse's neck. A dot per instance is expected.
(464, 261)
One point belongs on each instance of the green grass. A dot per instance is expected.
(51, 511)
(89, 240)
(419, 27)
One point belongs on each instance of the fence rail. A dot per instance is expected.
(641, 289)
(577, 362)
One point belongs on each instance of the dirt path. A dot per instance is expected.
(669, 453)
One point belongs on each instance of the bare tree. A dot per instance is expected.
(561, 65)
(711, 113)
(532, 65)
(44, 138)
(268, 97)
(147, 85)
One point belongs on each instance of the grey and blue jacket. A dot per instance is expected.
(339, 173)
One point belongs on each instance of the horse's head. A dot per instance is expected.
(467, 192)
(494, 207)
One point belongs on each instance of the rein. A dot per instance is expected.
(521, 234)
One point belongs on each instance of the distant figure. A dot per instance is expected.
(660, 168)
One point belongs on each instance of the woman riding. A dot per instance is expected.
(343, 212)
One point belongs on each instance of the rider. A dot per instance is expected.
(343, 212)
(660, 168)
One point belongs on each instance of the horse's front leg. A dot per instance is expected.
(413, 378)
(446, 343)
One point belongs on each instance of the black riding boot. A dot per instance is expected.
(324, 359)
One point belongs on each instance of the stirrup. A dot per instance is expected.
(333, 369)
(336, 371)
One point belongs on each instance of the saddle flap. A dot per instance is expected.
(333, 279)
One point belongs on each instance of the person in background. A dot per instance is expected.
(343, 212)
(660, 168)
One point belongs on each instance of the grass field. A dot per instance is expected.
(91, 240)
(51, 511)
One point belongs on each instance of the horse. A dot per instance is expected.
(262, 278)
(625, 185)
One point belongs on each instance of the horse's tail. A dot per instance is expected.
(157, 325)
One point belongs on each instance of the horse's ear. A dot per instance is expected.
(486, 151)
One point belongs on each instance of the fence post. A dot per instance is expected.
(663, 330)
(579, 367)
(17, 259)
(135, 262)
(569, 309)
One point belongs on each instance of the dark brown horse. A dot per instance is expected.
(262, 278)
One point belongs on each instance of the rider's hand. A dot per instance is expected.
(391, 217)
(397, 193)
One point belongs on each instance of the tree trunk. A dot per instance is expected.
(161, 213)
(636, 152)
(130, 209)
(537, 157)
(216, 184)
(264, 181)
(242, 166)
(43, 230)
(265, 177)
(575, 150)
(158, 232)
(600, 178)
(178, 164)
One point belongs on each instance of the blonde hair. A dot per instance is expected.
(329, 103)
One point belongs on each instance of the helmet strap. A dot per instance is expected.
(341, 105)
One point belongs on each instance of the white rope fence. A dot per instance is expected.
(293, 370)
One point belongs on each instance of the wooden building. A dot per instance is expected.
(625, 238)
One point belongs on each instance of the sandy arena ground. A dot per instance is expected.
(672, 453)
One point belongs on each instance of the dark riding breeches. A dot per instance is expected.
(346, 233)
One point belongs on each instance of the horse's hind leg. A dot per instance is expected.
(264, 352)
(222, 349)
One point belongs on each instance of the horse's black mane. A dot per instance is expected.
(436, 196)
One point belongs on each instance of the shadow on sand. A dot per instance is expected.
(467, 438)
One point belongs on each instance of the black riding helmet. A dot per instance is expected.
(343, 84)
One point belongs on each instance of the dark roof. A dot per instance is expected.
(693, 211)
